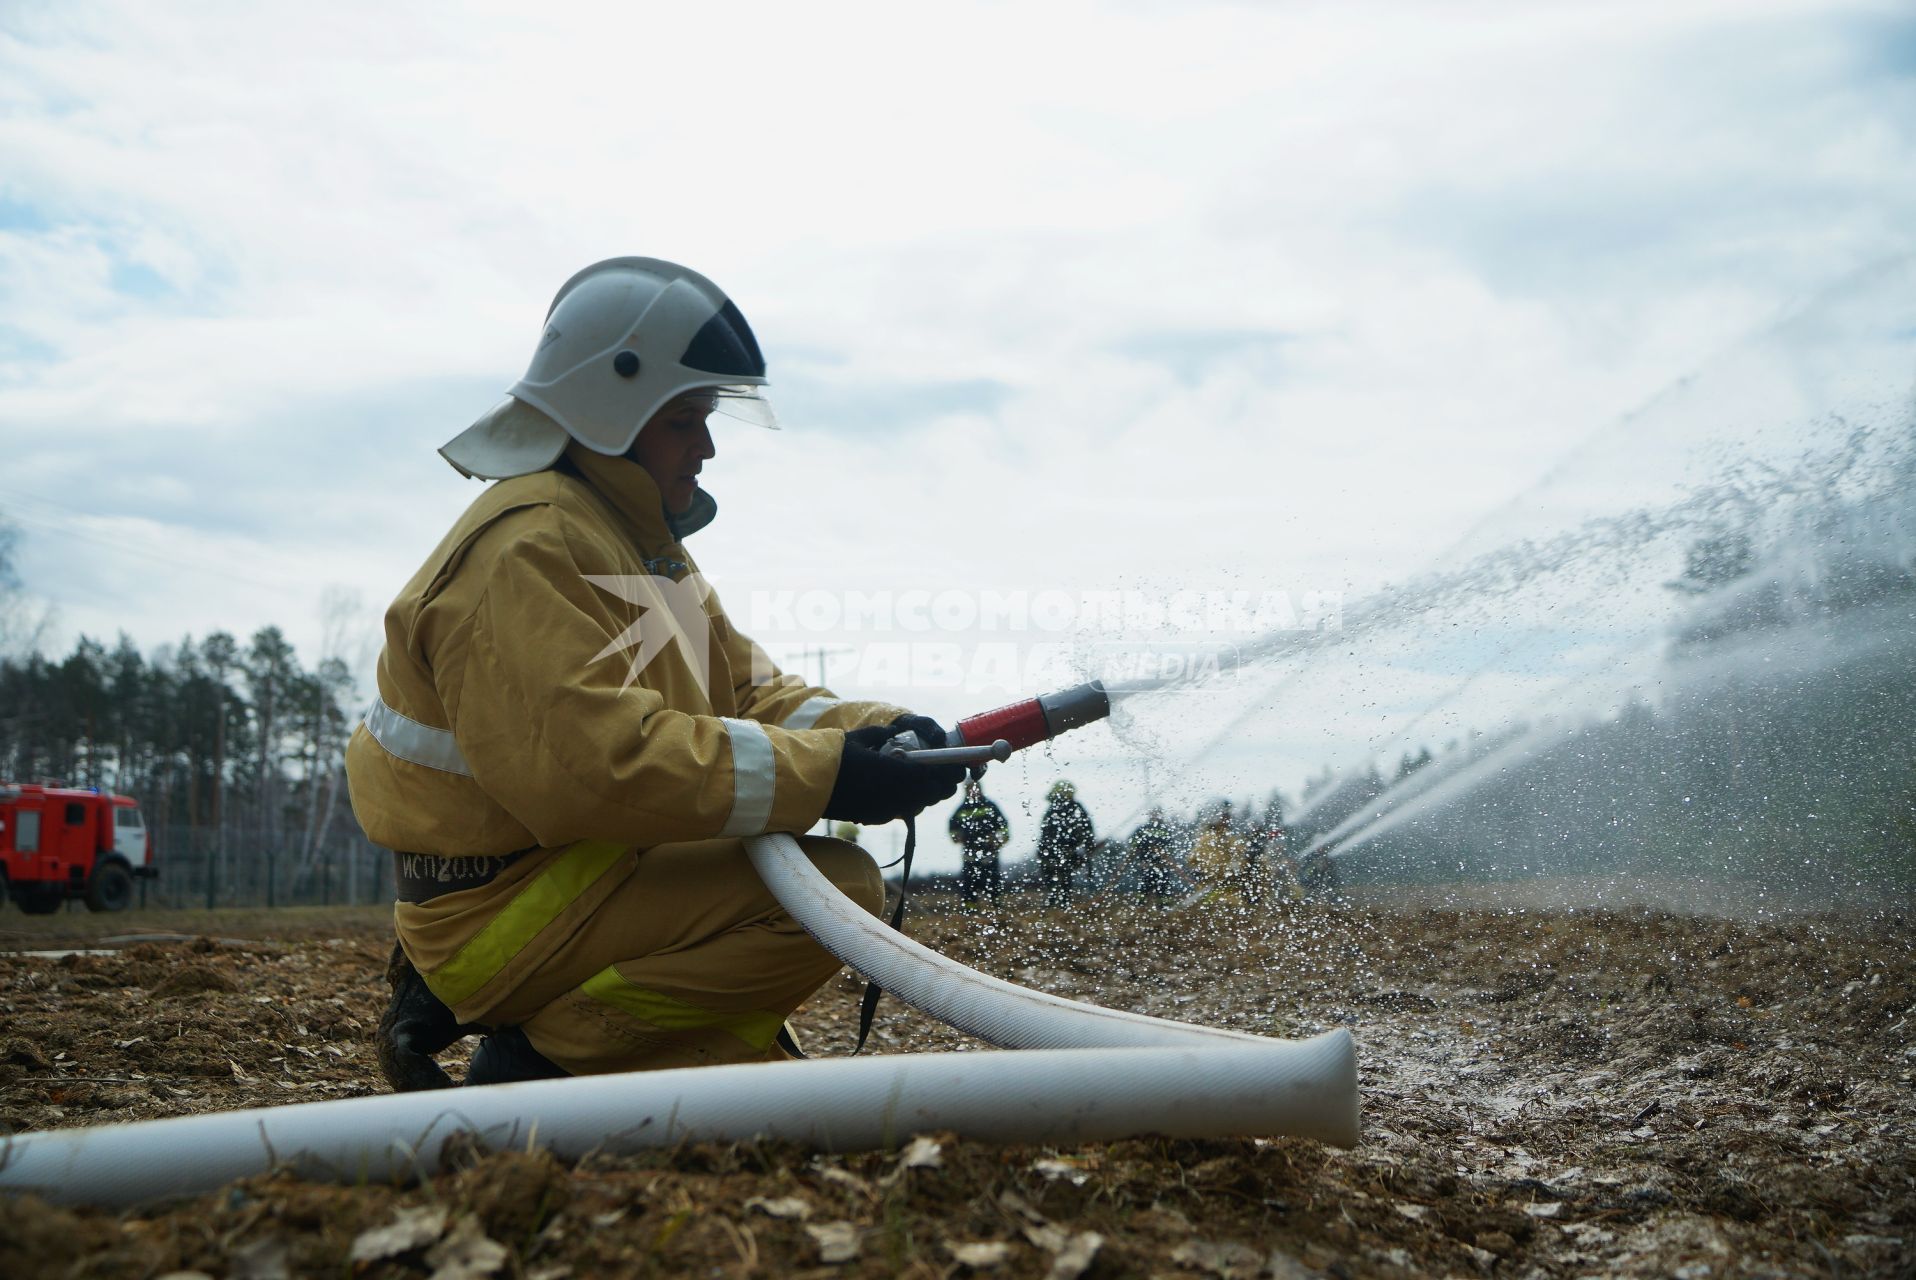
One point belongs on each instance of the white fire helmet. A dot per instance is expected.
(621, 338)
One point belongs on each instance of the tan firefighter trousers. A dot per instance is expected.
(616, 959)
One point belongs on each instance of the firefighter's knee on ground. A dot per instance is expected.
(848, 867)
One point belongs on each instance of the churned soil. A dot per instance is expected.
(1547, 1092)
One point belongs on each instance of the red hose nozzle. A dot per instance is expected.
(1036, 720)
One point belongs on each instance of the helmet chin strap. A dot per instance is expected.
(868, 1005)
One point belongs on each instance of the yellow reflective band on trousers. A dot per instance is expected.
(523, 919)
(755, 1027)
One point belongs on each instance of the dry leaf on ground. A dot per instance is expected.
(922, 1153)
(410, 1229)
(836, 1241)
(1227, 1259)
(980, 1255)
(466, 1252)
(790, 1207)
(1076, 1257)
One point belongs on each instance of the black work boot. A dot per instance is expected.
(415, 1026)
(506, 1056)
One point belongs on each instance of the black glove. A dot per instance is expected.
(872, 788)
(929, 731)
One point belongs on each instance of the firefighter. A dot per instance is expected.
(979, 829)
(1275, 871)
(1064, 842)
(571, 740)
(1151, 849)
(1221, 857)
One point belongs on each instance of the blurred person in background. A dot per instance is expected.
(1152, 851)
(979, 829)
(1064, 842)
(1221, 858)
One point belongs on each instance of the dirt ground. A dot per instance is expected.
(1546, 1093)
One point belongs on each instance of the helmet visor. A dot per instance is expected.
(747, 404)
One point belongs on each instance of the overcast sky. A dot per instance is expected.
(1091, 297)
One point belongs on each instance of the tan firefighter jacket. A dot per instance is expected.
(1219, 853)
(557, 671)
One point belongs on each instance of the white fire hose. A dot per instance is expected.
(1086, 1074)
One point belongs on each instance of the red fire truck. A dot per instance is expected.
(67, 842)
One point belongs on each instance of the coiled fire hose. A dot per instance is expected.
(1082, 1074)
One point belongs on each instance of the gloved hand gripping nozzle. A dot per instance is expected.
(897, 770)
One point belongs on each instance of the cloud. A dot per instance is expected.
(830, 403)
(1079, 294)
(1192, 354)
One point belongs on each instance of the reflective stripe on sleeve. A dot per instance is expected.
(809, 711)
(755, 1027)
(521, 920)
(409, 740)
(754, 777)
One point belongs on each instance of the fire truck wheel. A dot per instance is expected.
(111, 888)
(39, 899)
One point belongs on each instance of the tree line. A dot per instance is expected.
(234, 749)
